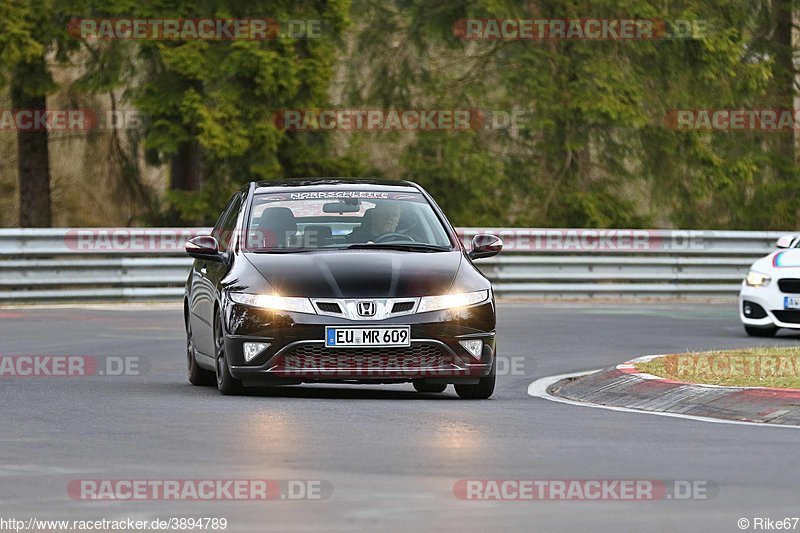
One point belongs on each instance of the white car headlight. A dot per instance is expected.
(274, 302)
(757, 279)
(451, 301)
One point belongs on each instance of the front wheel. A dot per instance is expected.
(226, 383)
(768, 331)
(481, 390)
(197, 376)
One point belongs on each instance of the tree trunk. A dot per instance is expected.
(186, 167)
(33, 161)
(784, 73)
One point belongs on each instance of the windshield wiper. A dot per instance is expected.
(409, 246)
(281, 250)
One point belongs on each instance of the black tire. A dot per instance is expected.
(197, 376)
(226, 383)
(768, 331)
(421, 386)
(480, 391)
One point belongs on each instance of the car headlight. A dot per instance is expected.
(757, 279)
(274, 302)
(451, 301)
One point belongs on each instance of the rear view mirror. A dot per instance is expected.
(785, 241)
(340, 207)
(485, 245)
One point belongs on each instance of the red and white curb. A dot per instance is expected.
(539, 389)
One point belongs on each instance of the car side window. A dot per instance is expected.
(224, 229)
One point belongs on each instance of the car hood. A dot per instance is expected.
(358, 273)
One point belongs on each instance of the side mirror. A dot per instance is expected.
(204, 247)
(785, 241)
(485, 245)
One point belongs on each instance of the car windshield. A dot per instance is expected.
(311, 220)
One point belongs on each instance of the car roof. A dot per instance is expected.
(333, 184)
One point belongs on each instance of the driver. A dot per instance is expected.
(383, 219)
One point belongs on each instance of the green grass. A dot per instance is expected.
(753, 367)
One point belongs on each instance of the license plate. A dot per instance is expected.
(791, 302)
(336, 337)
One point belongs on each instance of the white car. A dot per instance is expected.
(770, 295)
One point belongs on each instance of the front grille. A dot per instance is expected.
(790, 317)
(789, 285)
(329, 307)
(402, 307)
(318, 357)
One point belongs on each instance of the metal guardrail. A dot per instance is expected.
(149, 264)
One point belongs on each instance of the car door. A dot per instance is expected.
(205, 278)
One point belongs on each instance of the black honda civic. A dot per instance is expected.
(339, 280)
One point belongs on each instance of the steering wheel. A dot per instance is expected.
(394, 237)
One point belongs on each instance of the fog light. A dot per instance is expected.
(753, 310)
(252, 349)
(475, 348)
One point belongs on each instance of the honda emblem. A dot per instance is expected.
(366, 308)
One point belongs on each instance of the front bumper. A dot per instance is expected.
(297, 352)
(771, 300)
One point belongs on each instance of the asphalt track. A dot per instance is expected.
(391, 455)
